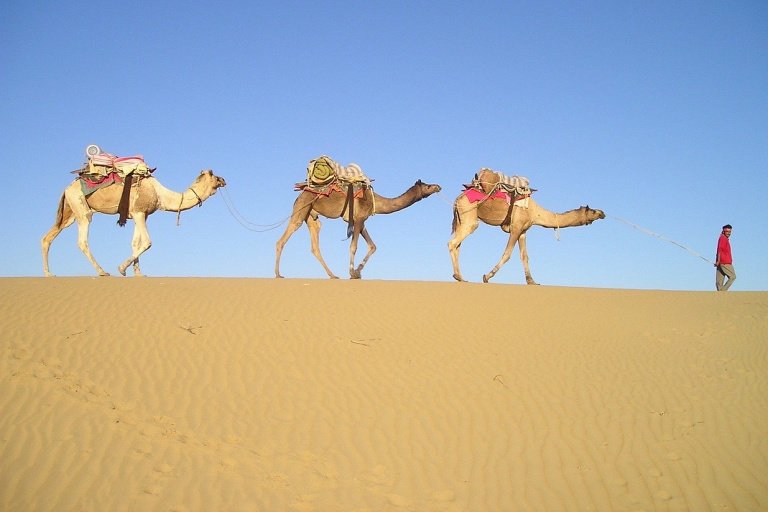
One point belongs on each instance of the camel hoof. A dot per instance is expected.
(486, 278)
(334, 277)
(278, 276)
(458, 278)
(105, 274)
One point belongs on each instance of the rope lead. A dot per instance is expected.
(259, 228)
(661, 237)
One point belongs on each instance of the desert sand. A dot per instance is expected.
(209, 394)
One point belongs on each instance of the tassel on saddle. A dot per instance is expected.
(122, 208)
(350, 203)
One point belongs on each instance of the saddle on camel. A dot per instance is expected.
(102, 169)
(490, 184)
(325, 176)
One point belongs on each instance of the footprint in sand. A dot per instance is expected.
(52, 362)
(227, 464)
(126, 406)
(153, 490)
(400, 501)
(143, 449)
(165, 469)
(21, 353)
(379, 475)
(302, 506)
(277, 480)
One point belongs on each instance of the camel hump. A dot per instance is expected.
(323, 170)
(488, 179)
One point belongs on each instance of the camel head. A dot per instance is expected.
(425, 189)
(591, 215)
(208, 181)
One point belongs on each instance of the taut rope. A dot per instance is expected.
(661, 237)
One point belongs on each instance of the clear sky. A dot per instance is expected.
(655, 112)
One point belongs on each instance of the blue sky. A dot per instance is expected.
(655, 112)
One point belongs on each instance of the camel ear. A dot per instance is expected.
(419, 182)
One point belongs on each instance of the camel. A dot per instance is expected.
(516, 222)
(147, 196)
(309, 206)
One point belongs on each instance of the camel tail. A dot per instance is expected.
(60, 212)
(456, 219)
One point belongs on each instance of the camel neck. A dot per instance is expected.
(386, 205)
(550, 219)
(178, 201)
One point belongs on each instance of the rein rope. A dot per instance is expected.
(259, 228)
(661, 237)
(181, 201)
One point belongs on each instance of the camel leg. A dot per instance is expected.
(314, 225)
(293, 225)
(144, 241)
(301, 208)
(83, 220)
(139, 244)
(64, 219)
(514, 235)
(354, 273)
(83, 226)
(371, 250)
(78, 204)
(524, 258)
(136, 269)
(464, 228)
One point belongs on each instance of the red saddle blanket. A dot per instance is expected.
(474, 195)
(92, 183)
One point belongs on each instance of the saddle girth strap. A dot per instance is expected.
(122, 208)
(350, 202)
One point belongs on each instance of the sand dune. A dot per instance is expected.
(203, 394)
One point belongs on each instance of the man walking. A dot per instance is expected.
(724, 261)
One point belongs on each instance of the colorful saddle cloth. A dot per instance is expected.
(101, 164)
(323, 170)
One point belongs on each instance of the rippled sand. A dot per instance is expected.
(203, 394)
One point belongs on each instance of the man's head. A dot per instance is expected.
(727, 229)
